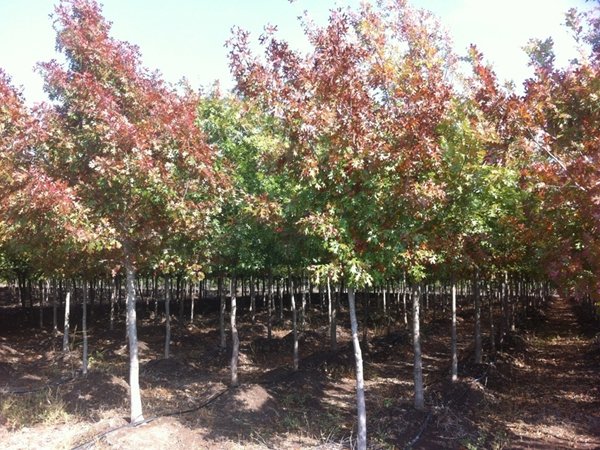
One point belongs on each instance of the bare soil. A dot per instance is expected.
(540, 391)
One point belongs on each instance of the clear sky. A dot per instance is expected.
(185, 38)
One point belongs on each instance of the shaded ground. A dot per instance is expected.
(541, 393)
(548, 394)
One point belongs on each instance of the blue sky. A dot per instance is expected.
(185, 38)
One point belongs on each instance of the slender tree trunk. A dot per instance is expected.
(168, 294)
(84, 365)
(361, 443)
(294, 324)
(192, 302)
(366, 297)
(404, 307)
(453, 343)
(270, 308)
(54, 310)
(113, 298)
(252, 300)
(222, 307)
(418, 364)
(477, 320)
(333, 318)
(235, 353)
(280, 295)
(491, 294)
(134, 371)
(66, 324)
(303, 307)
(43, 298)
(181, 297)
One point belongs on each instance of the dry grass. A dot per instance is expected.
(44, 407)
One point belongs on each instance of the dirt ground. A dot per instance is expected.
(541, 391)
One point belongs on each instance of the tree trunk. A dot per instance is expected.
(43, 299)
(192, 302)
(366, 297)
(280, 295)
(270, 308)
(181, 297)
(303, 307)
(84, 363)
(491, 294)
(168, 293)
(294, 325)
(333, 318)
(113, 298)
(54, 310)
(235, 353)
(418, 365)
(477, 320)
(134, 371)
(66, 324)
(222, 307)
(361, 443)
(252, 300)
(453, 343)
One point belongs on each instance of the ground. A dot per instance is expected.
(541, 391)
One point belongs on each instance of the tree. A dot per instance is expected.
(128, 148)
(360, 113)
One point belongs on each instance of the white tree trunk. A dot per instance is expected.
(418, 364)
(477, 320)
(361, 408)
(192, 302)
(43, 299)
(453, 343)
(252, 300)
(333, 318)
(235, 353)
(65, 346)
(84, 363)
(270, 308)
(54, 309)
(303, 307)
(222, 305)
(134, 370)
(294, 325)
(113, 298)
(167, 318)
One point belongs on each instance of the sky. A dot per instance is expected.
(185, 38)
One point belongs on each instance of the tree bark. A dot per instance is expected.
(65, 346)
(113, 298)
(252, 300)
(418, 364)
(235, 353)
(168, 294)
(453, 343)
(270, 308)
(43, 299)
(333, 318)
(294, 325)
(491, 294)
(54, 310)
(222, 307)
(361, 443)
(84, 363)
(280, 294)
(192, 302)
(477, 320)
(303, 306)
(134, 371)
